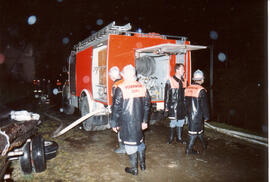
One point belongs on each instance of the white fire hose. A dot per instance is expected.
(236, 134)
(78, 121)
(244, 136)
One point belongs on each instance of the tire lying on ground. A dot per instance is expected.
(51, 148)
(25, 159)
(38, 154)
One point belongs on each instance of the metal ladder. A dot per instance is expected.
(109, 29)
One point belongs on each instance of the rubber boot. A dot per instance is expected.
(179, 139)
(202, 141)
(133, 159)
(121, 149)
(190, 143)
(171, 135)
(142, 159)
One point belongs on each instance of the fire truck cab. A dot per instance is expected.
(89, 87)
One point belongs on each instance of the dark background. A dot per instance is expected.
(240, 82)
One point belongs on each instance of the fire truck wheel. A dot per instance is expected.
(38, 154)
(94, 123)
(25, 159)
(87, 124)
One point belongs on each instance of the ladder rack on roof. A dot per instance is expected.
(109, 29)
(117, 30)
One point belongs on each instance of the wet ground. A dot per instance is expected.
(89, 156)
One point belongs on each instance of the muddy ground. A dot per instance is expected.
(89, 156)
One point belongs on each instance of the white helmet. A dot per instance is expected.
(198, 75)
(114, 72)
(129, 72)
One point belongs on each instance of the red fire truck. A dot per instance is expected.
(88, 87)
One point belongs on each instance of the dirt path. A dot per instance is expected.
(89, 156)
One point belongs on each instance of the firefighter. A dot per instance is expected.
(114, 74)
(197, 111)
(174, 102)
(129, 115)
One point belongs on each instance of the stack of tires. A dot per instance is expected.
(36, 153)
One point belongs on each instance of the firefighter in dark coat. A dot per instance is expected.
(174, 102)
(197, 111)
(114, 74)
(129, 116)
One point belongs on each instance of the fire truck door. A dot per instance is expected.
(99, 73)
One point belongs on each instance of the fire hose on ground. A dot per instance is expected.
(240, 135)
(75, 123)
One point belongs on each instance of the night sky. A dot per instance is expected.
(240, 82)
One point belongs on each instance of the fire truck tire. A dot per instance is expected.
(25, 160)
(94, 123)
(87, 124)
(38, 154)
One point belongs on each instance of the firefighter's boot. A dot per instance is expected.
(142, 159)
(171, 135)
(133, 159)
(121, 149)
(179, 131)
(190, 143)
(202, 141)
